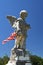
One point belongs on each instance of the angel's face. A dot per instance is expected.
(23, 15)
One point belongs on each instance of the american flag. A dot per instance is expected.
(11, 37)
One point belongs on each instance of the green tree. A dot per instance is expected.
(5, 59)
(1, 61)
(36, 60)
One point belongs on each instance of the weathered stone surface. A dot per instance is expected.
(19, 55)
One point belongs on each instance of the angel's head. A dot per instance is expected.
(23, 14)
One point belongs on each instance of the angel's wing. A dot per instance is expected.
(12, 19)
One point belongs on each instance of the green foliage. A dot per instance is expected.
(4, 60)
(34, 59)
(1, 61)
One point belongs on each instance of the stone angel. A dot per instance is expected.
(21, 28)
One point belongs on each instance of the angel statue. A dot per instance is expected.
(20, 26)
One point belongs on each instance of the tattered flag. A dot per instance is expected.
(12, 37)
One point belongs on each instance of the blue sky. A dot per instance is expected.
(34, 42)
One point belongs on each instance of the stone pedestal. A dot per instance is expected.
(19, 57)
